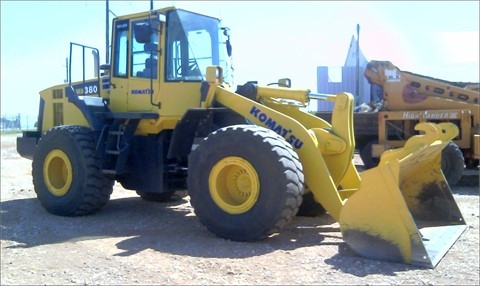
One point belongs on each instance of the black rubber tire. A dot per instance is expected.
(89, 189)
(453, 163)
(156, 197)
(309, 207)
(366, 155)
(280, 181)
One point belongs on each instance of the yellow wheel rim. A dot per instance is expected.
(234, 185)
(57, 172)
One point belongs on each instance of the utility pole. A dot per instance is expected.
(107, 33)
(151, 5)
(357, 92)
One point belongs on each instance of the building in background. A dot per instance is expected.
(332, 80)
(9, 122)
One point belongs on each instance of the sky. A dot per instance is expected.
(271, 39)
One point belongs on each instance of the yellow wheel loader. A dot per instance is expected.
(162, 117)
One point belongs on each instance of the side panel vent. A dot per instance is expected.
(57, 93)
(57, 114)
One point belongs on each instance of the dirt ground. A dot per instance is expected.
(135, 242)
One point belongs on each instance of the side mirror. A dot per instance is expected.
(226, 32)
(142, 33)
(229, 48)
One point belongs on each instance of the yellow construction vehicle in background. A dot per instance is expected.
(407, 99)
(410, 98)
(163, 117)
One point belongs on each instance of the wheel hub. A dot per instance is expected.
(234, 185)
(57, 172)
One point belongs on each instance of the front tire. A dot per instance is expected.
(245, 182)
(67, 173)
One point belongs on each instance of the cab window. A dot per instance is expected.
(144, 62)
(120, 55)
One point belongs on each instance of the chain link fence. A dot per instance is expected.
(9, 122)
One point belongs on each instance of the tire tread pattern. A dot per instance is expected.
(287, 157)
(453, 163)
(99, 187)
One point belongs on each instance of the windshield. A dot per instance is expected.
(194, 42)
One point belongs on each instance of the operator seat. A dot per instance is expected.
(151, 63)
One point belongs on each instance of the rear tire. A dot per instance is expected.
(453, 164)
(67, 173)
(309, 207)
(366, 155)
(245, 182)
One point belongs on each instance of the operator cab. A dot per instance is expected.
(154, 51)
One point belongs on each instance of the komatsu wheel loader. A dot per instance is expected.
(163, 117)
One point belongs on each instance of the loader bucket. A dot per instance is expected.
(404, 210)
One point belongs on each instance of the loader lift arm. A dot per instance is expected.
(325, 150)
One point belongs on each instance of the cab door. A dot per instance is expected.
(119, 82)
(144, 75)
(135, 61)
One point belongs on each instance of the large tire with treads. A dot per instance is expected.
(245, 182)
(453, 163)
(67, 175)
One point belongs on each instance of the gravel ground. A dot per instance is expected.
(132, 241)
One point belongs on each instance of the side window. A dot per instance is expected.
(144, 61)
(200, 50)
(174, 61)
(120, 55)
(187, 55)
